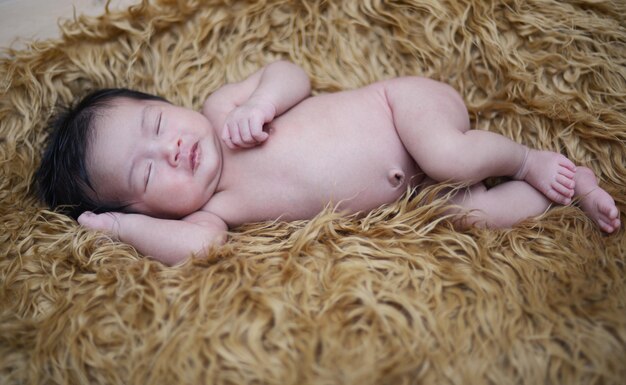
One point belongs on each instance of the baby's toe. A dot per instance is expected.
(616, 223)
(566, 182)
(613, 213)
(562, 190)
(568, 164)
(611, 226)
(557, 197)
(604, 226)
(608, 210)
(567, 173)
(608, 219)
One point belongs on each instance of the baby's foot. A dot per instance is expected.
(596, 202)
(549, 172)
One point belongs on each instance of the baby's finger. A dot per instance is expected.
(226, 137)
(256, 130)
(244, 132)
(85, 217)
(235, 138)
(229, 143)
(93, 221)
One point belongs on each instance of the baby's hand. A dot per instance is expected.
(243, 127)
(106, 222)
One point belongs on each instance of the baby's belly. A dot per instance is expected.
(340, 150)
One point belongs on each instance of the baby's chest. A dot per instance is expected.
(312, 160)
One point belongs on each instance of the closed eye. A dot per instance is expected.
(158, 125)
(148, 174)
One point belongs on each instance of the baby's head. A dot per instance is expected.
(123, 150)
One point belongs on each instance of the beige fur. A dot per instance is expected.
(396, 297)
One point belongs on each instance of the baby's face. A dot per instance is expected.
(162, 160)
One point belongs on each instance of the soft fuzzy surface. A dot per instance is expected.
(395, 297)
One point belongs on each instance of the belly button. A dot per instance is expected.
(396, 177)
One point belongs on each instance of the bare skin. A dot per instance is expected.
(263, 149)
(596, 202)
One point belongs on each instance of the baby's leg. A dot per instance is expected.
(433, 124)
(499, 207)
(511, 202)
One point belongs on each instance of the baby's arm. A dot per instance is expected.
(169, 241)
(257, 100)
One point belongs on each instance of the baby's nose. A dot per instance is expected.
(172, 152)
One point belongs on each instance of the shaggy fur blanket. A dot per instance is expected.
(394, 297)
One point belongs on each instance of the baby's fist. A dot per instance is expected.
(243, 127)
(106, 222)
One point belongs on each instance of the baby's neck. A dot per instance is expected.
(225, 155)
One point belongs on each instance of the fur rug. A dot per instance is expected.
(397, 297)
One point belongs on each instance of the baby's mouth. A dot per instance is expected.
(194, 157)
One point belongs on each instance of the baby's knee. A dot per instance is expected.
(447, 161)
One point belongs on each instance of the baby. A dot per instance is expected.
(171, 181)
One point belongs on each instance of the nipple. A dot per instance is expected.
(396, 177)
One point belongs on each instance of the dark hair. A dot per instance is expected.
(62, 180)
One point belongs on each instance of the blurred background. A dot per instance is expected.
(25, 20)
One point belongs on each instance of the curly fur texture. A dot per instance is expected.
(395, 297)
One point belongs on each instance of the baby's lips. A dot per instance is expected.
(193, 157)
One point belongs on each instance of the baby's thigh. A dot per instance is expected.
(425, 106)
(431, 120)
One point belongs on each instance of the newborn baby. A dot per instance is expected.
(171, 181)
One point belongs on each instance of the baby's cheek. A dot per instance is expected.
(179, 197)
